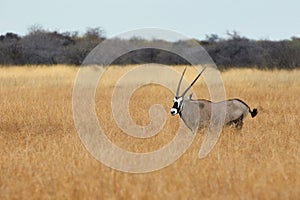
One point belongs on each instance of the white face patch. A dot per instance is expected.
(178, 100)
(173, 111)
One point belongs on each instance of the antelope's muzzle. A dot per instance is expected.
(173, 111)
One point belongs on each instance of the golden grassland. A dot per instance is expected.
(42, 157)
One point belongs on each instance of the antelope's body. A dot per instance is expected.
(196, 114)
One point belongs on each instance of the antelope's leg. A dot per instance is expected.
(239, 123)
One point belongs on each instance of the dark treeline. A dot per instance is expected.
(40, 46)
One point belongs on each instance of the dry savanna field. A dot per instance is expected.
(42, 157)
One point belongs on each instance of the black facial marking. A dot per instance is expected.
(175, 105)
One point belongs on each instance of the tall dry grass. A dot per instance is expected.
(41, 156)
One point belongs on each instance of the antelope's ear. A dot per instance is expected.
(190, 97)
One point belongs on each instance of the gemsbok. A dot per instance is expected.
(196, 114)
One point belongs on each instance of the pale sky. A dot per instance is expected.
(255, 19)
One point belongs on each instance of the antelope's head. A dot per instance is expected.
(177, 106)
(178, 99)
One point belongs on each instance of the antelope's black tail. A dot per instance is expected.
(253, 112)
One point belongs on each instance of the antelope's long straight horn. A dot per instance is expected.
(178, 87)
(193, 82)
